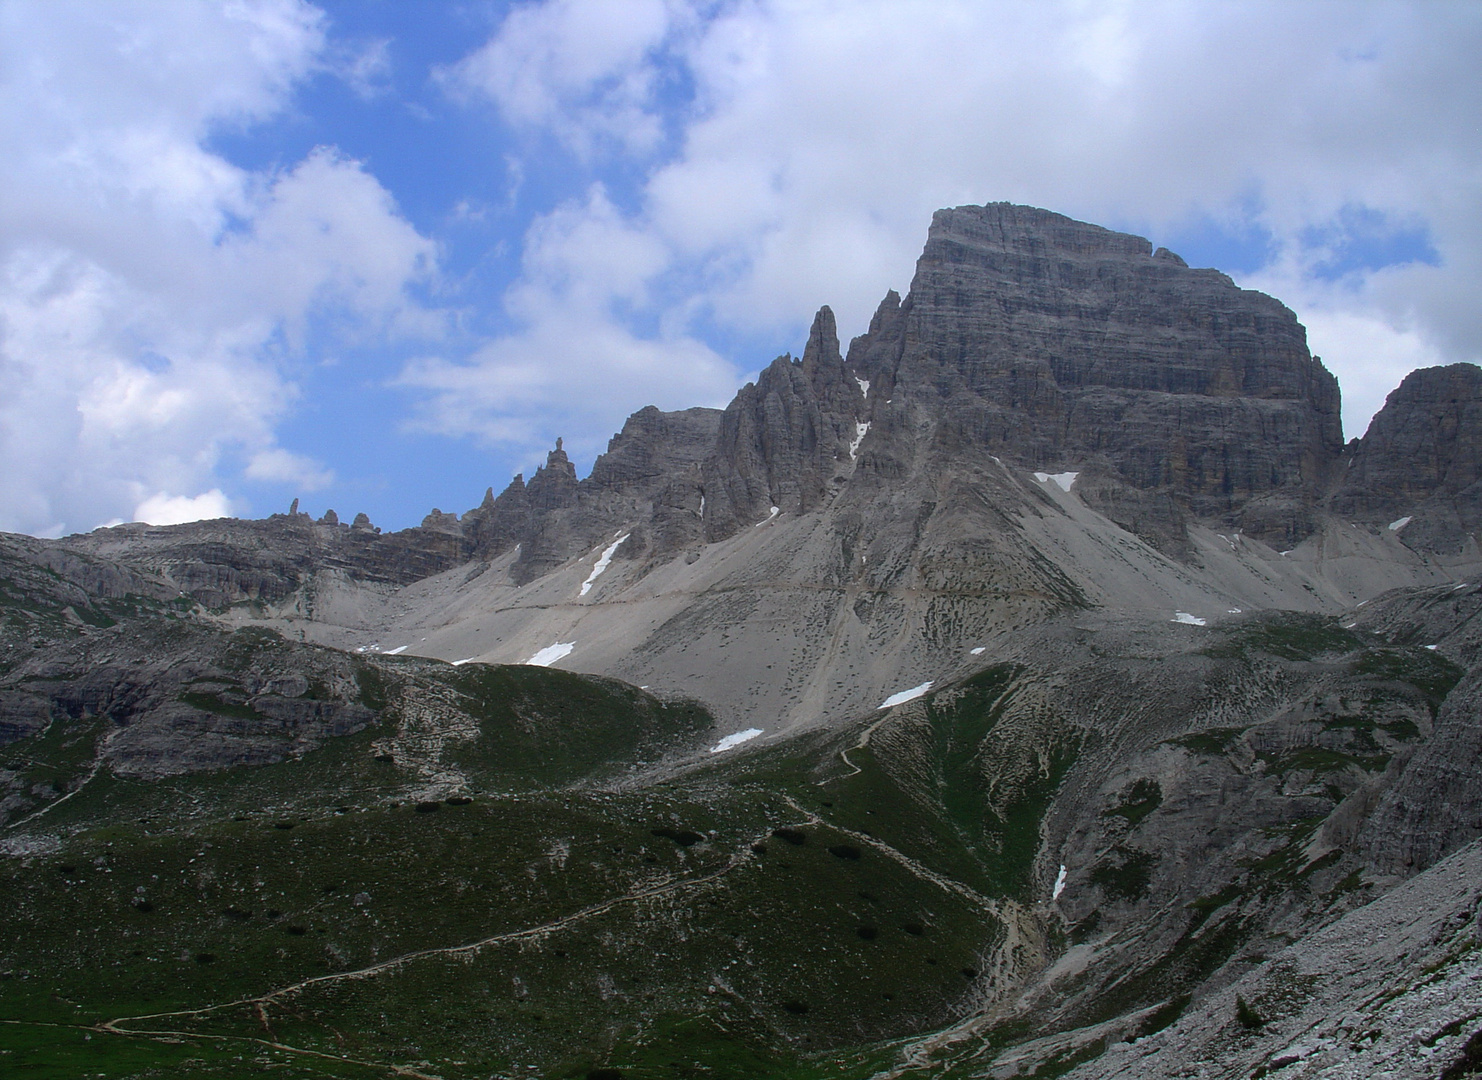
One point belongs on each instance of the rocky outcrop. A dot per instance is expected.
(228, 561)
(785, 439)
(1421, 460)
(649, 476)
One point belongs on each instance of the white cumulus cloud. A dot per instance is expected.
(155, 297)
(162, 509)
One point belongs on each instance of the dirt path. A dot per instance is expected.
(259, 1003)
(925, 873)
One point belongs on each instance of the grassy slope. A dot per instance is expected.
(710, 948)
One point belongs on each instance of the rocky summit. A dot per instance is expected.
(1039, 687)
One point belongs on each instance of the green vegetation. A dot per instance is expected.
(1289, 636)
(1429, 672)
(221, 705)
(1212, 742)
(543, 919)
(1138, 801)
(1126, 876)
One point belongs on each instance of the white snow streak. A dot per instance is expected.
(460, 663)
(769, 517)
(860, 430)
(1396, 526)
(586, 586)
(551, 653)
(906, 695)
(864, 385)
(1064, 479)
(398, 650)
(736, 740)
(1233, 611)
(978, 651)
(1433, 648)
(1059, 884)
(1185, 617)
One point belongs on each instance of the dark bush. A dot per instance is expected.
(682, 837)
(796, 837)
(868, 933)
(605, 1074)
(915, 929)
(205, 958)
(143, 905)
(235, 912)
(844, 851)
(1247, 1016)
(282, 824)
(429, 806)
(296, 930)
(457, 800)
(797, 1008)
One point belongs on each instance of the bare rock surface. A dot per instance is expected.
(1419, 466)
(1393, 989)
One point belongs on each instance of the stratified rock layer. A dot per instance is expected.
(1421, 459)
(1059, 345)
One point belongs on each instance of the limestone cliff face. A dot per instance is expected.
(649, 475)
(785, 438)
(1421, 458)
(1059, 345)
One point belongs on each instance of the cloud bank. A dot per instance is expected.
(154, 298)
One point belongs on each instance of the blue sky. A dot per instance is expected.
(378, 255)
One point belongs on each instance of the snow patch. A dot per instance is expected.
(702, 505)
(769, 517)
(398, 650)
(906, 695)
(551, 653)
(860, 430)
(1432, 648)
(1059, 884)
(1233, 611)
(1064, 479)
(978, 651)
(602, 564)
(1400, 523)
(460, 663)
(736, 740)
(1187, 619)
(864, 385)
